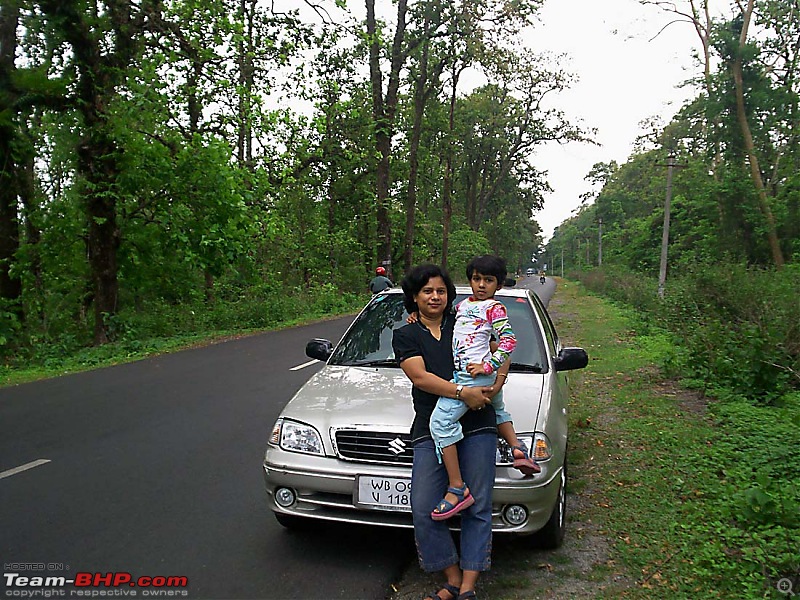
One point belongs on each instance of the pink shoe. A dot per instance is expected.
(525, 464)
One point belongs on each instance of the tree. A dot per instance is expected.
(103, 46)
(384, 108)
(11, 172)
(736, 67)
(504, 122)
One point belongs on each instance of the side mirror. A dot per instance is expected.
(319, 349)
(571, 358)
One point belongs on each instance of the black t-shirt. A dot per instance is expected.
(415, 339)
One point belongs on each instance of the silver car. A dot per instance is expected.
(340, 449)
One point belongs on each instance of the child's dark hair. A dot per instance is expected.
(418, 277)
(488, 265)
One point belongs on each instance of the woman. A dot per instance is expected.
(424, 349)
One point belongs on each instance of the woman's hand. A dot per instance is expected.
(475, 397)
(491, 392)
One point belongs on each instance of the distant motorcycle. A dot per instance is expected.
(541, 279)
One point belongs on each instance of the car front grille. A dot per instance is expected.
(374, 446)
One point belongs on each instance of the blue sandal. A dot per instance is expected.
(445, 510)
(450, 589)
(525, 464)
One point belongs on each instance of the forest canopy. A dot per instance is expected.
(185, 153)
(187, 165)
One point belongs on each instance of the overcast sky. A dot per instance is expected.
(623, 79)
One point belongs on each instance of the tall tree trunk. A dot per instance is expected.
(383, 113)
(97, 163)
(29, 205)
(413, 157)
(10, 286)
(755, 169)
(246, 70)
(447, 186)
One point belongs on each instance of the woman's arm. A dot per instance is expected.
(414, 368)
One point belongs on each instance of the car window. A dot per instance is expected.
(529, 355)
(549, 328)
(368, 341)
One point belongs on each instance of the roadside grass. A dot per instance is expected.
(670, 494)
(18, 371)
(55, 360)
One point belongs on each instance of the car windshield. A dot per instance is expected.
(368, 342)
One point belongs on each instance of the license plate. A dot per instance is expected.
(383, 493)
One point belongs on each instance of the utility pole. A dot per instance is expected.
(600, 242)
(662, 272)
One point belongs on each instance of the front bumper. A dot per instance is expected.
(325, 489)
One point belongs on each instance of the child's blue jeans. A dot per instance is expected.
(445, 420)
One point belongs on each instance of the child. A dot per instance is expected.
(476, 318)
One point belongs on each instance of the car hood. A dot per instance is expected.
(339, 396)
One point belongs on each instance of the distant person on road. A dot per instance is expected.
(424, 351)
(478, 318)
(380, 282)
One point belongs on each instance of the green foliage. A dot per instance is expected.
(9, 322)
(738, 328)
(465, 244)
(699, 495)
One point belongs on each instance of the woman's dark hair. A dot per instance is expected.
(488, 265)
(418, 277)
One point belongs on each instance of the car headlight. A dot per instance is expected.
(538, 445)
(296, 437)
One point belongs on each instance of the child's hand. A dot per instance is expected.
(413, 317)
(475, 369)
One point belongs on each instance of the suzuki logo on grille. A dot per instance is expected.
(397, 446)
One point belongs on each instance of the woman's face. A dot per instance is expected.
(432, 298)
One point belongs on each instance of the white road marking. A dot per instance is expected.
(25, 467)
(304, 365)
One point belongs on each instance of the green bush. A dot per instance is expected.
(737, 328)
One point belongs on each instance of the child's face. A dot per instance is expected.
(483, 286)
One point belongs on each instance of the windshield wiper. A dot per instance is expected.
(521, 368)
(383, 362)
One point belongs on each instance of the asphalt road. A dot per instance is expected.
(155, 470)
(544, 290)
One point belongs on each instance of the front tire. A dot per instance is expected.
(551, 536)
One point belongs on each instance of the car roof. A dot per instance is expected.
(465, 290)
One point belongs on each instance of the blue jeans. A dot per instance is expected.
(445, 425)
(435, 546)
